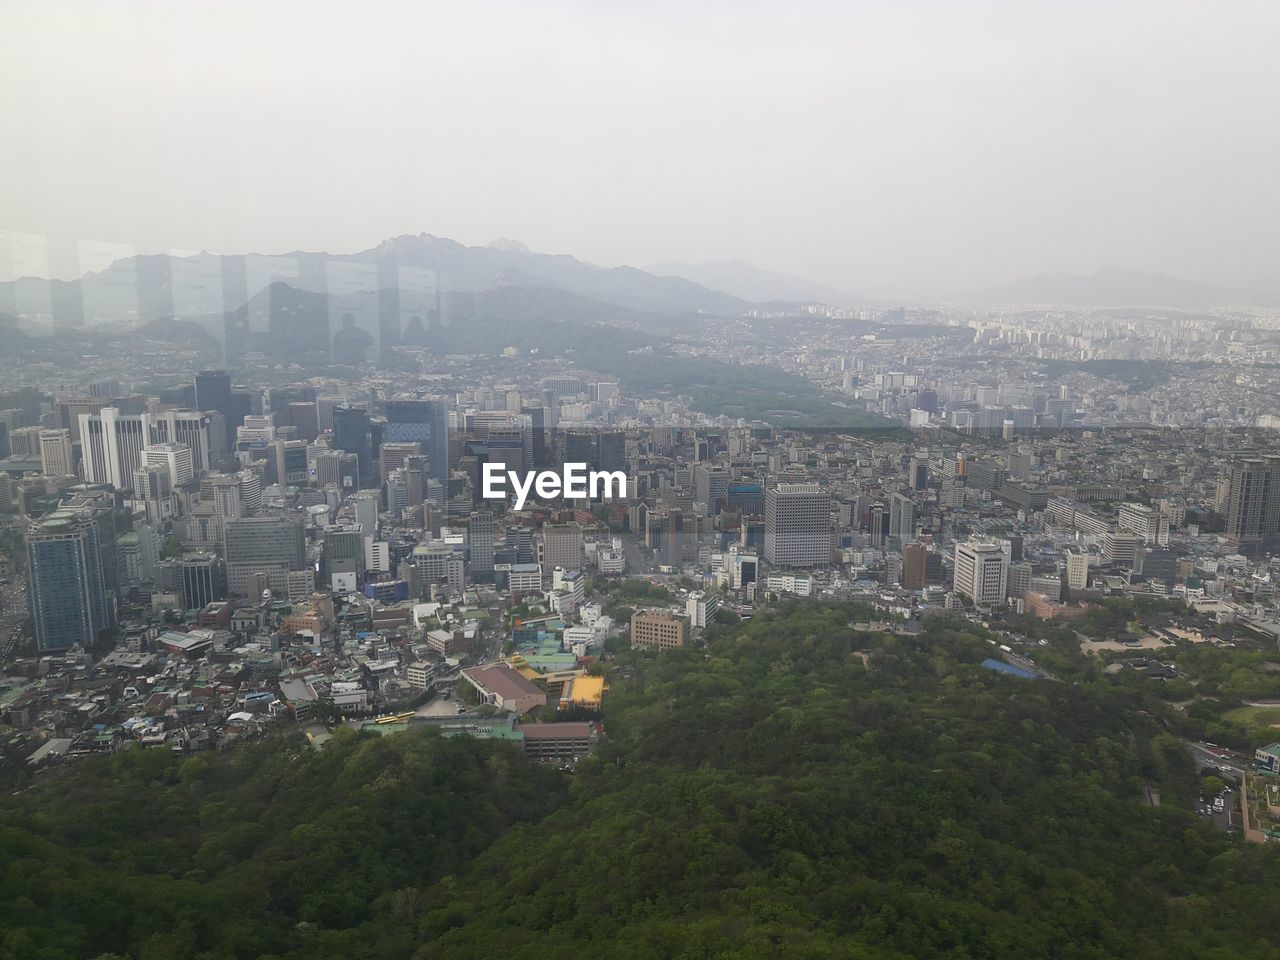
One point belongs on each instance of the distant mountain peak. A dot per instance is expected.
(506, 243)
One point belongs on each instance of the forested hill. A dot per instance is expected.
(799, 789)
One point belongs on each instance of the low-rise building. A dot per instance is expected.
(504, 687)
(658, 630)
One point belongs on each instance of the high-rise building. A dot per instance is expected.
(67, 412)
(797, 525)
(877, 524)
(69, 599)
(424, 420)
(269, 545)
(343, 557)
(700, 607)
(333, 468)
(149, 545)
(203, 580)
(303, 416)
(223, 491)
(1019, 579)
(113, 445)
(1077, 571)
(250, 490)
(581, 446)
(919, 468)
(562, 546)
(902, 517)
(174, 458)
(520, 543)
(1123, 549)
(913, 566)
(392, 455)
(213, 392)
(538, 419)
(24, 442)
(1253, 500)
(612, 450)
(57, 458)
(351, 432)
(480, 544)
(365, 505)
(194, 428)
(152, 486)
(290, 458)
(982, 572)
(711, 486)
(256, 432)
(1150, 524)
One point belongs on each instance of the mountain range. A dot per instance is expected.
(427, 272)
(149, 287)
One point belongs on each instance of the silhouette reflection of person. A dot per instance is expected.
(351, 343)
(415, 335)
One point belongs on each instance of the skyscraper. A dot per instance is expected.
(152, 486)
(193, 428)
(204, 580)
(342, 559)
(711, 486)
(480, 543)
(290, 458)
(913, 566)
(902, 517)
(223, 491)
(57, 459)
(268, 545)
(173, 457)
(982, 572)
(351, 433)
(797, 530)
(113, 445)
(561, 546)
(425, 420)
(1253, 501)
(365, 504)
(69, 600)
(213, 392)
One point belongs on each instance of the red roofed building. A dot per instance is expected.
(506, 689)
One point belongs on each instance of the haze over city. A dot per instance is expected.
(911, 150)
(545, 480)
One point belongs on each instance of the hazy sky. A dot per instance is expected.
(903, 147)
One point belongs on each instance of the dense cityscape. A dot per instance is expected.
(195, 556)
(545, 480)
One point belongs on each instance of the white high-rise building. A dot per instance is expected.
(797, 525)
(113, 445)
(175, 457)
(1077, 571)
(192, 428)
(365, 504)
(1152, 525)
(57, 459)
(982, 572)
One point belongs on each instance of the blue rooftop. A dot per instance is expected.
(1001, 667)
